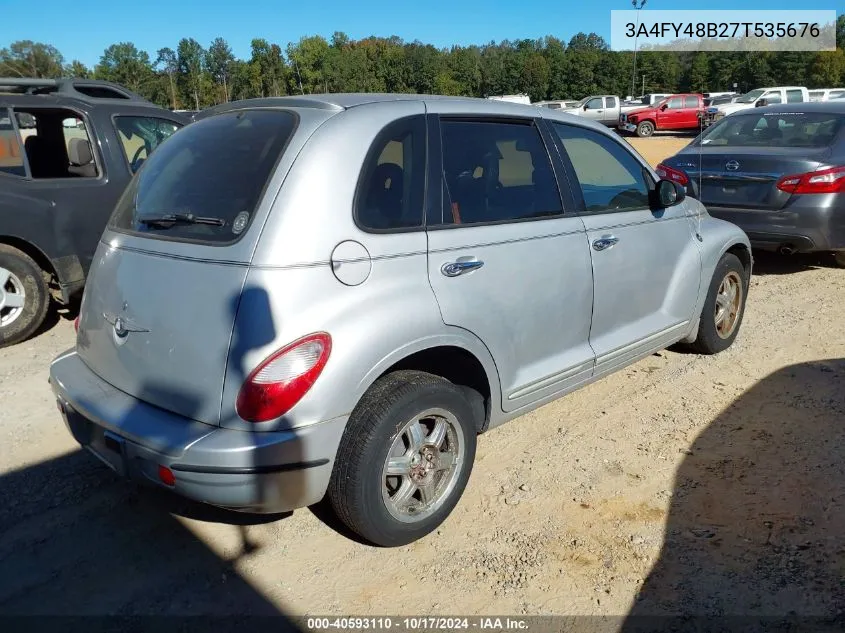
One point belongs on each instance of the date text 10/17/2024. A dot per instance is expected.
(420, 623)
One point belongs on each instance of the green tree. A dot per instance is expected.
(699, 73)
(26, 58)
(268, 68)
(554, 51)
(828, 69)
(77, 69)
(168, 63)
(191, 57)
(218, 60)
(464, 66)
(310, 60)
(124, 64)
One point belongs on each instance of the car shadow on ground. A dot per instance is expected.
(756, 525)
(79, 541)
(768, 263)
(57, 313)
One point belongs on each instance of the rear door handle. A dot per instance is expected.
(605, 242)
(453, 269)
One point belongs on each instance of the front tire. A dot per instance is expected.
(404, 459)
(24, 297)
(645, 129)
(724, 306)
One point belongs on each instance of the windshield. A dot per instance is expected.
(751, 97)
(775, 129)
(214, 169)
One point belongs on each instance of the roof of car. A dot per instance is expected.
(343, 101)
(836, 105)
(87, 90)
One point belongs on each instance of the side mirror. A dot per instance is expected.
(669, 193)
(585, 107)
(761, 102)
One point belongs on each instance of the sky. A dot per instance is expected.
(83, 31)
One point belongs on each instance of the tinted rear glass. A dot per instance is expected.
(214, 170)
(775, 129)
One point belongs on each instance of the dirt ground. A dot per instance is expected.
(684, 484)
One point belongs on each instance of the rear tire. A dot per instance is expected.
(724, 307)
(24, 297)
(416, 424)
(645, 129)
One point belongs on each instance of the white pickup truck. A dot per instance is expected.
(760, 97)
(601, 108)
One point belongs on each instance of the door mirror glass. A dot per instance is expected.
(669, 193)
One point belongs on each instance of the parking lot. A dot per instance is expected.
(708, 484)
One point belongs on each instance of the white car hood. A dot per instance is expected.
(730, 108)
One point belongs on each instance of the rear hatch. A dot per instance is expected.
(738, 161)
(164, 288)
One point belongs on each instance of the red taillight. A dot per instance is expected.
(76, 324)
(166, 476)
(278, 383)
(829, 180)
(678, 176)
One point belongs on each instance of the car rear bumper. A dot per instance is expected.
(802, 226)
(254, 472)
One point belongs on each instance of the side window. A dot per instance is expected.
(611, 102)
(140, 135)
(676, 103)
(595, 104)
(56, 144)
(794, 96)
(836, 94)
(690, 101)
(611, 178)
(772, 98)
(11, 154)
(392, 185)
(496, 172)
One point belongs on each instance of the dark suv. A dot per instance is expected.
(68, 148)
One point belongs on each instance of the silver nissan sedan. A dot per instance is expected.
(334, 295)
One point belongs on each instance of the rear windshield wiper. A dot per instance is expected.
(170, 219)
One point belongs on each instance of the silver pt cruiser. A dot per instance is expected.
(334, 295)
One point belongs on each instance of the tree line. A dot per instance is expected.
(191, 76)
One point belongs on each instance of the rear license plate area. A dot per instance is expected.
(109, 448)
(106, 446)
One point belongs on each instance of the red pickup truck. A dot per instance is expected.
(676, 112)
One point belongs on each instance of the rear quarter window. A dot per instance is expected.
(204, 183)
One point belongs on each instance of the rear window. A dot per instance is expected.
(776, 129)
(205, 182)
